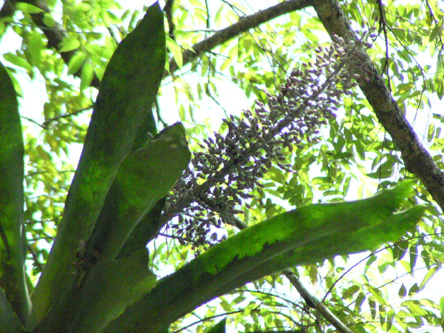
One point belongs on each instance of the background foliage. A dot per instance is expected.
(63, 48)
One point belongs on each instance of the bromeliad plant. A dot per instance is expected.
(96, 277)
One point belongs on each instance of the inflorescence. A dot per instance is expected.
(221, 177)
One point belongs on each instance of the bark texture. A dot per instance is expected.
(416, 158)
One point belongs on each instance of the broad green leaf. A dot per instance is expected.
(413, 290)
(415, 307)
(314, 222)
(441, 304)
(8, 319)
(12, 236)
(36, 46)
(144, 177)
(145, 231)
(359, 301)
(372, 305)
(390, 316)
(110, 288)
(49, 20)
(302, 236)
(149, 225)
(413, 251)
(103, 294)
(128, 89)
(437, 31)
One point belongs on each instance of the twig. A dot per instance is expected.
(243, 25)
(56, 34)
(66, 115)
(383, 26)
(33, 121)
(314, 302)
(168, 9)
(45, 124)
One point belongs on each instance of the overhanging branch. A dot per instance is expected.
(244, 24)
(416, 158)
(56, 34)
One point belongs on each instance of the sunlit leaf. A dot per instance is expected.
(119, 111)
(70, 43)
(430, 273)
(17, 60)
(28, 8)
(302, 236)
(174, 48)
(13, 239)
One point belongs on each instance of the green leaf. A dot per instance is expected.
(402, 291)
(441, 304)
(359, 301)
(302, 236)
(415, 307)
(109, 288)
(8, 319)
(12, 236)
(437, 31)
(144, 177)
(69, 43)
(219, 327)
(126, 94)
(17, 60)
(49, 20)
(413, 251)
(36, 46)
(86, 76)
(28, 8)
(385, 170)
(146, 230)
(430, 273)
(315, 221)
(176, 51)
(390, 316)
(372, 305)
(76, 62)
(413, 290)
(350, 291)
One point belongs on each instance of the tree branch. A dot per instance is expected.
(310, 299)
(168, 9)
(8, 8)
(317, 304)
(416, 158)
(56, 34)
(244, 24)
